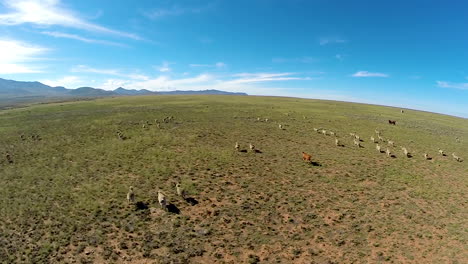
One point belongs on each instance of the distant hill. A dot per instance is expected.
(10, 89)
(123, 91)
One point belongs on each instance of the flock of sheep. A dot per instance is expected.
(378, 140)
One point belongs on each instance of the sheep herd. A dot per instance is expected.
(378, 140)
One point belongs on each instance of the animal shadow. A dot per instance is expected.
(392, 156)
(192, 201)
(258, 151)
(429, 158)
(243, 150)
(172, 208)
(141, 206)
(314, 163)
(409, 155)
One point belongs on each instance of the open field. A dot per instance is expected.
(63, 193)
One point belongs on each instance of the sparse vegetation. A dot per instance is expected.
(64, 195)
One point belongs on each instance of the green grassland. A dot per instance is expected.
(63, 197)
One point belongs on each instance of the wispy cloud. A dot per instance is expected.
(264, 77)
(304, 59)
(173, 11)
(16, 57)
(460, 86)
(339, 57)
(164, 67)
(80, 38)
(66, 81)
(248, 82)
(215, 65)
(115, 72)
(369, 74)
(331, 40)
(51, 13)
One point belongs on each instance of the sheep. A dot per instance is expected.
(162, 200)
(373, 140)
(332, 133)
(391, 143)
(280, 126)
(266, 119)
(357, 143)
(405, 151)
(381, 138)
(358, 138)
(130, 195)
(180, 191)
(441, 152)
(402, 111)
(258, 118)
(324, 132)
(426, 156)
(455, 157)
(237, 146)
(388, 152)
(316, 130)
(352, 134)
(378, 148)
(377, 132)
(306, 157)
(252, 147)
(337, 142)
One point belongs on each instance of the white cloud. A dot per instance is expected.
(369, 74)
(14, 54)
(215, 65)
(264, 77)
(220, 65)
(67, 82)
(164, 67)
(80, 38)
(235, 82)
(331, 40)
(461, 86)
(115, 72)
(173, 11)
(50, 13)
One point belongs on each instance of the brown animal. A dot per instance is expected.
(392, 122)
(306, 157)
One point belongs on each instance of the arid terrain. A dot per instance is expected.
(65, 174)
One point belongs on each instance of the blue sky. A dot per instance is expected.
(403, 53)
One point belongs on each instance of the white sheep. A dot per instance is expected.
(162, 200)
(252, 147)
(441, 152)
(378, 148)
(455, 157)
(130, 195)
(180, 192)
(405, 151)
(388, 152)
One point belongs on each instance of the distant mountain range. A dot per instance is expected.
(16, 89)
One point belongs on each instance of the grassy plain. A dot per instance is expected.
(63, 196)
